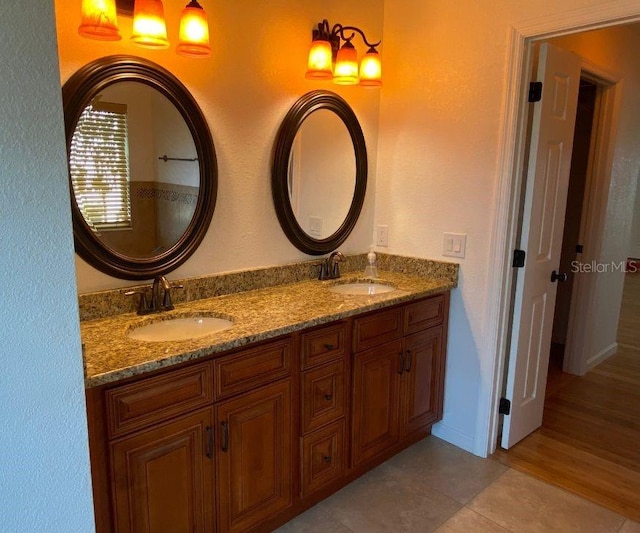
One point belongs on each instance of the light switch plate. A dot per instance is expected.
(454, 244)
(382, 235)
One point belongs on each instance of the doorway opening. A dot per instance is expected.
(574, 227)
(605, 193)
(587, 442)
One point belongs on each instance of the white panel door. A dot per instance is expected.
(542, 228)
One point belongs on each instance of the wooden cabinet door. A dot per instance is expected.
(163, 477)
(376, 380)
(254, 448)
(422, 380)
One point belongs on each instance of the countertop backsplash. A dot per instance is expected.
(108, 303)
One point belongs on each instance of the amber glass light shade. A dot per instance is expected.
(99, 20)
(149, 27)
(194, 32)
(371, 69)
(320, 61)
(346, 69)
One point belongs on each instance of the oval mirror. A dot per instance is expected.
(319, 173)
(142, 167)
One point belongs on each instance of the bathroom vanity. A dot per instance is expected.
(246, 428)
(302, 387)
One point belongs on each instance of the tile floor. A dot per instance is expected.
(434, 486)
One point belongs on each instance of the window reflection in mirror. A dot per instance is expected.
(162, 194)
(99, 166)
(322, 174)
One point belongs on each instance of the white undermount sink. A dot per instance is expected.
(362, 288)
(179, 328)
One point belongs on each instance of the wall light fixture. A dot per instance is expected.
(328, 60)
(149, 28)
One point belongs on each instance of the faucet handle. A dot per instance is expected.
(143, 307)
(324, 270)
(335, 258)
(167, 304)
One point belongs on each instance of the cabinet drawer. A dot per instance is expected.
(159, 398)
(377, 328)
(425, 314)
(323, 345)
(323, 395)
(251, 368)
(323, 457)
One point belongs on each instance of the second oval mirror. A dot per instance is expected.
(319, 172)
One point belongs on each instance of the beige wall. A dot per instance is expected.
(442, 111)
(255, 74)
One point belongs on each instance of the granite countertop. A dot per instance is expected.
(111, 355)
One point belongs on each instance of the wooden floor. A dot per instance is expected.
(589, 442)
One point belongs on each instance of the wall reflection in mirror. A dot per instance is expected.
(322, 174)
(319, 172)
(134, 170)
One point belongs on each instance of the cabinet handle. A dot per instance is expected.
(409, 360)
(209, 449)
(401, 369)
(328, 396)
(327, 459)
(225, 437)
(329, 346)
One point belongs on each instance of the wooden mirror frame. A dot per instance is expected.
(77, 93)
(307, 104)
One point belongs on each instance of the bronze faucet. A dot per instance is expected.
(329, 268)
(160, 296)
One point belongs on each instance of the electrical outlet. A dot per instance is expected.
(454, 244)
(382, 236)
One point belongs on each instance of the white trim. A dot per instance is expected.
(504, 224)
(579, 339)
(453, 436)
(602, 355)
(508, 187)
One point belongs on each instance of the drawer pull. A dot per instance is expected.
(401, 369)
(225, 437)
(328, 396)
(409, 361)
(329, 347)
(327, 459)
(209, 449)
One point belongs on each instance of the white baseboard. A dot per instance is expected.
(602, 355)
(453, 436)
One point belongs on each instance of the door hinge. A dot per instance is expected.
(504, 407)
(535, 91)
(518, 258)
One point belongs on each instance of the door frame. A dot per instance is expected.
(596, 197)
(512, 147)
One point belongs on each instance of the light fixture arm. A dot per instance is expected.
(337, 32)
(339, 29)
